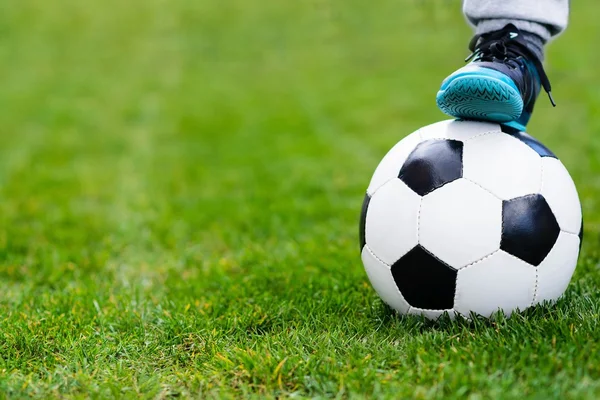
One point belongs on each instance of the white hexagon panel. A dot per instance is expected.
(502, 164)
(460, 223)
(391, 223)
(498, 282)
(556, 271)
(560, 192)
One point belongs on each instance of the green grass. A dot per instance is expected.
(180, 183)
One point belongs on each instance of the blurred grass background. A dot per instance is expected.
(180, 183)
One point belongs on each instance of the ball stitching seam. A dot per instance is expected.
(380, 186)
(484, 188)
(477, 262)
(377, 258)
(535, 287)
(389, 266)
(419, 221)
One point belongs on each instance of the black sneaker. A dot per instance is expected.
(500, 84)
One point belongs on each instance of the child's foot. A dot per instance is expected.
(500, 84)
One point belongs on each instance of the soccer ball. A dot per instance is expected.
(469, 218)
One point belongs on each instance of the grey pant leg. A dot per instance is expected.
(544, 18)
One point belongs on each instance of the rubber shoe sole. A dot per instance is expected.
(480, 98)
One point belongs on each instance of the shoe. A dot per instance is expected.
(500, 84)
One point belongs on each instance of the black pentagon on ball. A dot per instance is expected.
(425, 281)
(529, 140)
(529, 228)
(363, 221)
(432, 164)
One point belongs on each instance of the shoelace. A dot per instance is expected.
(500, 46)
